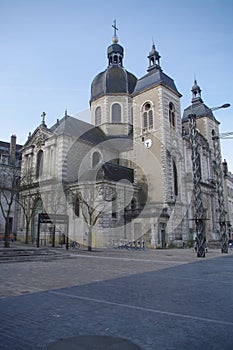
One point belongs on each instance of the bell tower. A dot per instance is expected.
(158, 145)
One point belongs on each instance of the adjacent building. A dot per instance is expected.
(10, 161)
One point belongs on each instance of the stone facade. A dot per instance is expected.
(228, 187)
(127, 176)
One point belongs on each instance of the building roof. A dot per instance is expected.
(6, 146)
(116, 172)
(197, 106)
(199, 109)
(5, 149)
(78, 128)
(108, 171)
(91, 134)
(153, 78)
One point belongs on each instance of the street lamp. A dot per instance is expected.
(225, 105)
(198, 205)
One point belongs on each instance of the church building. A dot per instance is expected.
(127, 176)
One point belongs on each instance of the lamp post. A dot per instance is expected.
(198, 205)
(220, 187)
(220, 192)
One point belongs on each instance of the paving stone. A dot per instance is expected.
(93, 342)
(154, 299)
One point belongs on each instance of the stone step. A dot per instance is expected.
(14, 255)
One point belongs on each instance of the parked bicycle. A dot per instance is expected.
(74, 245)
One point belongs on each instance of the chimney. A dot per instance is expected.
(12, 149)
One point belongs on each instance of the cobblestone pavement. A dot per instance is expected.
(158, 299)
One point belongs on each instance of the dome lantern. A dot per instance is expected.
(115, 51)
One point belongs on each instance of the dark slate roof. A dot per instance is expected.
(113, 80)
(4, 145)
(5, 148)
(79, 129)
(199, 109)
(109, 172)
(115, 48)
(91, 134)
(153, 78)
(116, 172)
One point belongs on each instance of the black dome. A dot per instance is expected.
(114, 80)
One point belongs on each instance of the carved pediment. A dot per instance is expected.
(38, 137)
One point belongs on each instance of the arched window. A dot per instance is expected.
(77, 207)
(98, 116)
(39, 165)
(116, 113)
(133, 204)
(95, 159)
(152, 61)
(131, 116)
(114, 209)
(148, 117)
(175, 179)
(51, 162)
(172, 120)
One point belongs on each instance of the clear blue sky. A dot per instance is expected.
(52, 49)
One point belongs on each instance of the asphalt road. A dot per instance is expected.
(161, 299)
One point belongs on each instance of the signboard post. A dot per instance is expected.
(44, 218)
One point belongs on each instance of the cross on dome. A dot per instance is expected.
(115, 38)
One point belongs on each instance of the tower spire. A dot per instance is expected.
(154, 58)
(196, 92)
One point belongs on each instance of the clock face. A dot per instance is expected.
(148, 143)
